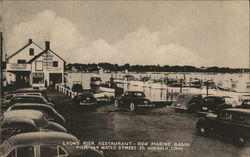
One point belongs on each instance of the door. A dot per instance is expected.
(55, 78)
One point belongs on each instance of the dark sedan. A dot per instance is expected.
(85, 99)
(133, 100)
(233, 123)
(213, 104)
(49, 112)
(245, 104)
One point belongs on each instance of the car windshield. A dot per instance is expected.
(41, 122)
(246, 102)
(138, 94)
(4, 148)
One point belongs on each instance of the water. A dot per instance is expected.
(234, 81)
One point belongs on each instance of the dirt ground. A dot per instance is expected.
(108, 123)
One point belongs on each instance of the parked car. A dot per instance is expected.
(45, 144)
(36, 116)
(187, 102)
(85, 99)
(13, 126)
(49, 112)
(245, 104)
(232, 122)
(7, 97)
(43, 92)
(133, 100)
(213, 104)
(28, 99)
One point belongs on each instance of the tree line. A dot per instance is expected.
(108, 67)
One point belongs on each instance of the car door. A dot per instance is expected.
(222, 123)
(123, 99)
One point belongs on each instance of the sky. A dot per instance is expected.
(197, 33)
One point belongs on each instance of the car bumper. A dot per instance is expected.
(146, 105)
(87, 103)
(180, 108)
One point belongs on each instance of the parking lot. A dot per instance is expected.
(108, 124)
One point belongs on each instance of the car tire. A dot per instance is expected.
(116, 103)
(132, 107)
(202, 131)
(240, 141)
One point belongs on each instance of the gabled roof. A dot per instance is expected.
(28, 44)
(40, 54)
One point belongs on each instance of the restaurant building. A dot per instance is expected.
(34, 66)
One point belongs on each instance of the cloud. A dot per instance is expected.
(139, 47)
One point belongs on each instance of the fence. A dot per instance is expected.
(66, 91)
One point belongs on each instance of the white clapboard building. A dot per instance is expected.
(34, 66)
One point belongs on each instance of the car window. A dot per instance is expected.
(246, 103)
(8, 97)
(48, 151)
(12, 153)
(52, 151)
(139, 94)
(226, 116)
(27, 151)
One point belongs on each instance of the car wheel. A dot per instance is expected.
(132, 106)
(116, 103)
(202, 131)
(240, 141)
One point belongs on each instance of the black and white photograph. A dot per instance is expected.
(124, 78)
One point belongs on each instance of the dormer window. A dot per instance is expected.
(31, 52)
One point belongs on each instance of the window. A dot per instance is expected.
(27, 151)
(8, 97)
(52, 151)
(48, 151)
(38, 78)
(39, 65)
(55, 63)
(21, 61)
(31, 52)
(226, 116)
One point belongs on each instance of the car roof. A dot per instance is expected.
(32, 114)
(32, 104)
(41, 137)
(17, 120)
(190, 94)
(213, 96)
(25, 96)
(241, 110)
(135, 91)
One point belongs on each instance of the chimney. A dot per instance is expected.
(30, 41)
(47, 45)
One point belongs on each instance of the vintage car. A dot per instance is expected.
(213, 104)
(232, 122)
(13, 126)
(245, 104)
(85, 98)
(187, 102)
(36, 116)
(28, 99)
(43, 92)
(46, 144)
(133, 100)
(49, 112)
(8, 97)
